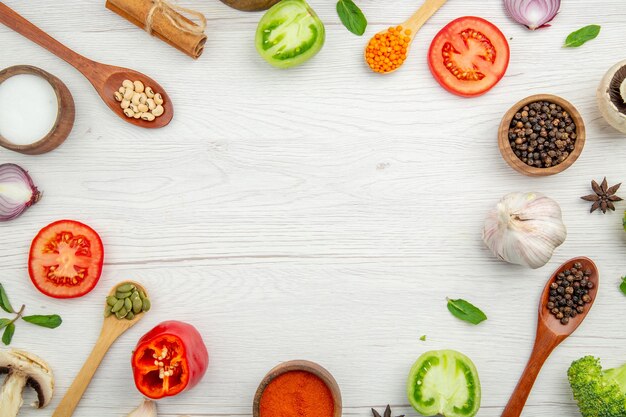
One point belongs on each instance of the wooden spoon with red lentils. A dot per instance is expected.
(387, 50)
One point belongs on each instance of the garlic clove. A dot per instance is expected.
(146, 409)
(525, 229)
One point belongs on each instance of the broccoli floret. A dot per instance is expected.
(598, 393)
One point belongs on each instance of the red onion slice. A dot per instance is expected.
(532, 13)
(17, 192)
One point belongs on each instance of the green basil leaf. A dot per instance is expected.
(51, 322)
(423, 338)
(466, 311)
(4, 323)
(579, 37)
(7, 336)
(623, 285)
(351, 16)
(4, 301)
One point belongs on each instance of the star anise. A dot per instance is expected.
(603, 196)
(387, 412)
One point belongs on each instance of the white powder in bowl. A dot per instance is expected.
(28, 108)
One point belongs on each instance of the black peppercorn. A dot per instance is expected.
(569, 293)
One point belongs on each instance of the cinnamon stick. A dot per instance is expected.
(137, 11)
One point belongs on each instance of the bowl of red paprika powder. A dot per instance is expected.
(297, 388)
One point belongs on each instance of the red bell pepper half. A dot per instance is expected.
(169, 359)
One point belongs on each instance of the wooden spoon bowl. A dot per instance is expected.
(112, 328)
(299, 365)
(516, 163)
(65, 114)
(550, 333)
(106, 79)
(113, 81)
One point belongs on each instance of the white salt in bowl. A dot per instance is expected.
(35, 119)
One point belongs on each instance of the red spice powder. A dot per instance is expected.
(297, 394)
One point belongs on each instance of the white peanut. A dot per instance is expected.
(148, 117)
(137, 115)
(151, 104)
(118, 96)
(158, 99)
(143, 108)
(125, 104)
(158, 110)
(128, 112)
(128, 93)
(138, 86)
(149, 92)
(135, 99)
(128, 84)
(143, 98)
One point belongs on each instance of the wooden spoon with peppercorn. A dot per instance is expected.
(577, 279)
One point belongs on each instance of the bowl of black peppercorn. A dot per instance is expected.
(541, 135)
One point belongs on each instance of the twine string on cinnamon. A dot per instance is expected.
(173, 13)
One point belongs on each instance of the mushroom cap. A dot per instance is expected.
(609, 110)
(36, 371)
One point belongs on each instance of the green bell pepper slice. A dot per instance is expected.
(444, 382)
(289, 34)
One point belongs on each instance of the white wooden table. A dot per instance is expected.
(321, 213)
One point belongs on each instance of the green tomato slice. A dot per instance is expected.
(289, 34)
(444, 382)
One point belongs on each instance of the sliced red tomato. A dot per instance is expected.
(469, 56)
(65, 259)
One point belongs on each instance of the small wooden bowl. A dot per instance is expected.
(250, 5)
(65, 115)
(517, 164)
(299, 365)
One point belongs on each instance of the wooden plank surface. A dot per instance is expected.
(320, 213)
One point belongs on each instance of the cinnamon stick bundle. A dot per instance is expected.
(161, 19)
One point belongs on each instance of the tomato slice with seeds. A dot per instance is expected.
(469, 56)
(65, 259)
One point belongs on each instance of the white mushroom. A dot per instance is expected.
(611, 96)
(22, 369)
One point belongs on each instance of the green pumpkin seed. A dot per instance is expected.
(142, 295)
(111, 300)
(128, 305)
(134, 295)
(121, 313)
(137, 305)
(130, 315)
(107, 311)
(125, 288)
(123, 294)
(118, 306)
(146, 305)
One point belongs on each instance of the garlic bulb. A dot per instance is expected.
(525, 229)
(146, 409)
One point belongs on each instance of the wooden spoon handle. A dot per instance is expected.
(422, 15)
(22, 26)
(544, 345)
(72, 397)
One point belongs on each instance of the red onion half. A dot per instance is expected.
(17, 192)
(532, 13)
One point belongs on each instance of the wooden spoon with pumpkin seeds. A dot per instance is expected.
(112, 328)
